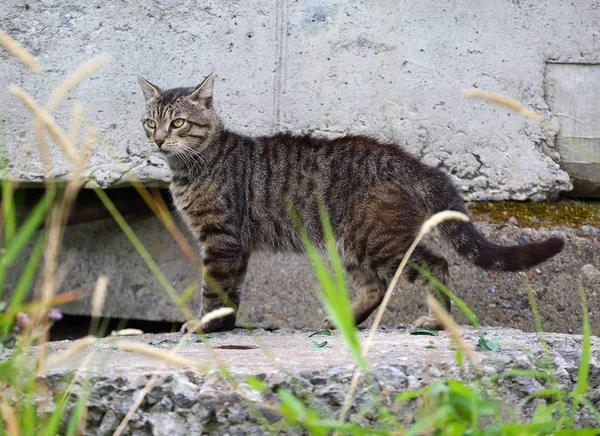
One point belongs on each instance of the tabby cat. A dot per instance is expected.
(234, 192)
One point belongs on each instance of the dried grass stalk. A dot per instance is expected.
(449, 324)
(76, 117)
(164, 356)
(44, 116)
(215, 314)
(503, 100)
(74, 79)
(127, 332)
(10, 418)
(99, 296)
(69, 352)
(18, 51)
(427, 227)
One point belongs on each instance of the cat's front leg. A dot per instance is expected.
(225, 264)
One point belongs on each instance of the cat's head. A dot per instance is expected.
(180, 121)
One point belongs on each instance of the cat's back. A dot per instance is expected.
(347, 157)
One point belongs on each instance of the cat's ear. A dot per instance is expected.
(204, 91)
(150, 91)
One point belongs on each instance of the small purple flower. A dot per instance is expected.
(22, 319)
(55, 314)
(20, 322)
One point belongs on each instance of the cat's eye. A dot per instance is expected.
(151, 123)
(178, 122)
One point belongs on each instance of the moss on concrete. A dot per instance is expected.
(569, 213)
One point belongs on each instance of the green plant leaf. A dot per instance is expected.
(424, 331)
(320, 333)
(430, 347)
(256, 383)
(404, 396)
(316, 344)
(489, 343)
(578, 432)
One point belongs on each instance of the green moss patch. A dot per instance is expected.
(570, 213)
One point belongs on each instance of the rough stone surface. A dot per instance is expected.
(280, 290)
(184, 402)
(394, 70)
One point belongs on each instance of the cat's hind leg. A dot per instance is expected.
(370, 292)
(438, 267)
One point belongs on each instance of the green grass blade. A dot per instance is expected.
(586, 344)
(430, 421)
(525, 373)
(334, 254)
(142, 252)
(335, 300)
(441, 287)
(28, 228)
(28, 274)
(52, 425)
(76, 414)
(338, 296)
(405, 396)
(8, 210)
(548, 359)
(584, 362)
(591, 408)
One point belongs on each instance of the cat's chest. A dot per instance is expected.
(199, 205)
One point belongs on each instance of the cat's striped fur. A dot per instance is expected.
(234, 192)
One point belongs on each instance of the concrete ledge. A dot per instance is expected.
(188, 402)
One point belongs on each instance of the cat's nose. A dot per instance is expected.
(159, 142)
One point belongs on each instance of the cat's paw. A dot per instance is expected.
(192, 326)
(215, 325)
(327, 324)
(429, 323)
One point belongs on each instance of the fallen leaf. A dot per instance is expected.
(424, 331)
(317, 344)
(489, 343)
(320, 333)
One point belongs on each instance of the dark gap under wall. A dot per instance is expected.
(75, 326)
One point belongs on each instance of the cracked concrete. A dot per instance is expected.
(188, 401)
(392, 71)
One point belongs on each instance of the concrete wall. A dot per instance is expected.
(394, 69)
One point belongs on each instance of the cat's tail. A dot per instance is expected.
(472, 244)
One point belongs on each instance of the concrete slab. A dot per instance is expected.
(280, 290)
(188, 401)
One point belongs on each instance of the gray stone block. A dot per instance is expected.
(280, 290)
